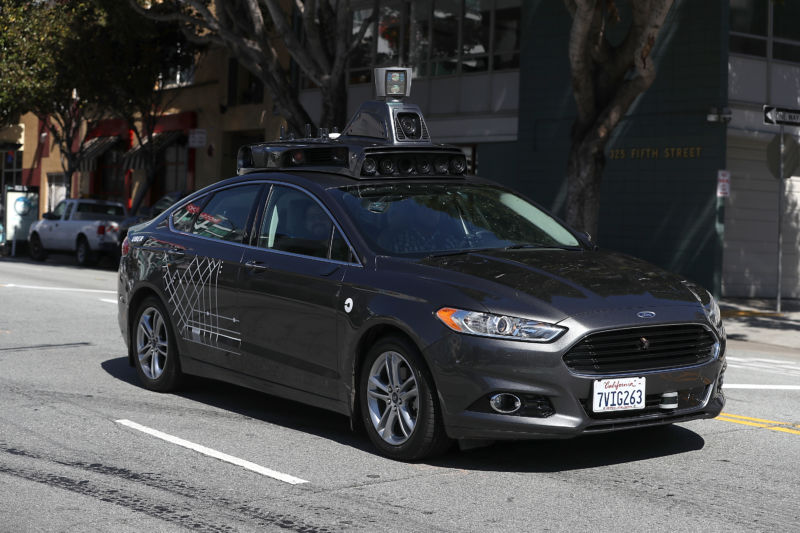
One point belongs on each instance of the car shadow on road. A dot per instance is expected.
(504, 456)
(256, 405)
(584, 452)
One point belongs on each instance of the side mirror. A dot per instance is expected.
(49, 216)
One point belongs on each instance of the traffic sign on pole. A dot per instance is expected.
(781, 115)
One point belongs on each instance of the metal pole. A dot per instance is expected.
(780, 225)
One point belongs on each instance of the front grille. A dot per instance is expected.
(641, 349)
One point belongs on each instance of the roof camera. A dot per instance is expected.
(410, 124)
(369, 166)
(458, 165)
(387, 167)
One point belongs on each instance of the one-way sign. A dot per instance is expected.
(781, 115)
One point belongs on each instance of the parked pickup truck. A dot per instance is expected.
(85, 227)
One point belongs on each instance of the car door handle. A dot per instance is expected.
(256, 266)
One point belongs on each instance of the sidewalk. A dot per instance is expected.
(755, 320)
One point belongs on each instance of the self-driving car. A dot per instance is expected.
(369, 274)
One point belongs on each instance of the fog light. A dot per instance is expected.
(505, 403)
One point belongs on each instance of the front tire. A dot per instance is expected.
(398, 402)
(155, 350)
(36, 248)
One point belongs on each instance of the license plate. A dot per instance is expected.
(622, 394)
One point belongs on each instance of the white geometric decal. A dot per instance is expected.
(193, 295)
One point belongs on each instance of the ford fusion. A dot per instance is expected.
(384, 283)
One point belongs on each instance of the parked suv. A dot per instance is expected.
(87, 228)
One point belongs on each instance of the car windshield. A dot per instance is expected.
(418, 220)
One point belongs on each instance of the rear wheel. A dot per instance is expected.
(156, 354)
(83, 253)
(398, 402)
(36, 249)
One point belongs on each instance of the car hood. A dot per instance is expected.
(556, 284)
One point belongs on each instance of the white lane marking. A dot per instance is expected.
(767, 370)
(68, 289)
(286, 478)
(108, 300)
(770, 366)
(761, 360)
(759, 386)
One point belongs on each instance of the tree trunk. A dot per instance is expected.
(606, 80)
(334, 104)
(584, 174)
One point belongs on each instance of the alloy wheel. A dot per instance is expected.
(392, 398)
(152, 343)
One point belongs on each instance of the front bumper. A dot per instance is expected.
(468, 370)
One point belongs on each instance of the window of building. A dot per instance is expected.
(112, 176)
(11, 168)
(243, 86)
(443, 37)
(765, 29)
(175, 168)
(181, 71)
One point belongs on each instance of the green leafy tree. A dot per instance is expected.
(41, 71)
(260, 34)
(137, 54)
(606, 80)
(75, 63)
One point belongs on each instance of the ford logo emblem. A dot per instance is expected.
(645, 314)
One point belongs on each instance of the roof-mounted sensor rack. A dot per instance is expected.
(386, 137)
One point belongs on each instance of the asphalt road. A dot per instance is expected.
(84, 448)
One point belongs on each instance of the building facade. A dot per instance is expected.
(493, 77)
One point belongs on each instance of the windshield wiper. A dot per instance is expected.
(522, 246)
(539, 245)
(462, 252)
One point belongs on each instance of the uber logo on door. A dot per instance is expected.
(348, 305)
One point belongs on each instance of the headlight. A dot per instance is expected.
(498, 326)
(710, 307)
(712, 311)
